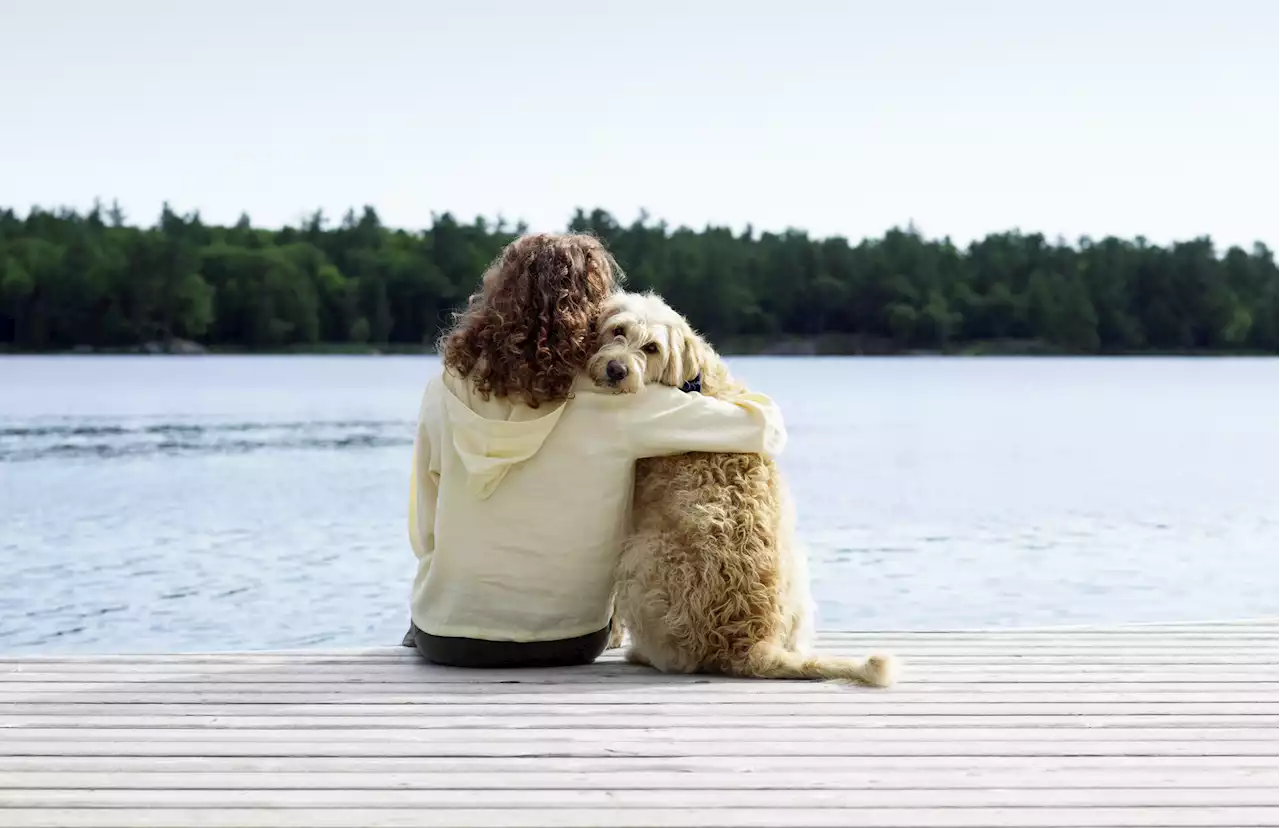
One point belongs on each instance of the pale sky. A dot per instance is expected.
(1153, 117)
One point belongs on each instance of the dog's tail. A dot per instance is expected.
(769, 660)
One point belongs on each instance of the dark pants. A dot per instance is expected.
(475, 652)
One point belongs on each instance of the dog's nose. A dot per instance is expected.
(615, 370)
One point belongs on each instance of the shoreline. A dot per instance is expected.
(792, 348)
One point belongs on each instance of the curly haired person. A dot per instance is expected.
(523, 467)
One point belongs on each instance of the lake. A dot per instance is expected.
(216, 503)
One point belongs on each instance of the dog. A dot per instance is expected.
(710, 579)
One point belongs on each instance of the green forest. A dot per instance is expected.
(72, 280)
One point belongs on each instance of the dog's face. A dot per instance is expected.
(643, 340)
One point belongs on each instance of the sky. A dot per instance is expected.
(1158, 118)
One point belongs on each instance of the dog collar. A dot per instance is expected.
(694, 385)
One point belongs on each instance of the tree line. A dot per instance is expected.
(71, 279)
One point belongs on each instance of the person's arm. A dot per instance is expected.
(424, 489)
(663, 421)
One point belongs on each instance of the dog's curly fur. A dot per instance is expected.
(710, 578)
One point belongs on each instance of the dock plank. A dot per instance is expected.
(921, 816)
(1026, 778)
(1145, 725)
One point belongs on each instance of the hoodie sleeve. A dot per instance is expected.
(424, 489)
(664, 421)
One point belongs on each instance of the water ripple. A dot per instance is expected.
(26, 443)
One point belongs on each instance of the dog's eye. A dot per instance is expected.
(651, 348)
(619, 331)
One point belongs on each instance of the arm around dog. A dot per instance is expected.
(663, 421)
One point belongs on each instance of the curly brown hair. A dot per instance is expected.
(530, 328)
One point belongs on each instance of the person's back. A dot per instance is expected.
(523, 468)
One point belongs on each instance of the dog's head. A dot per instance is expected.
(642, 340)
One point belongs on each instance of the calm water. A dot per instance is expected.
(152, 504)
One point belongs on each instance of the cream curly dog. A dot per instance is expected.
(709, 579)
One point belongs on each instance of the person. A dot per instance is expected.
(522, 468)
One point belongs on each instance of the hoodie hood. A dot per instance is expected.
(490, 447)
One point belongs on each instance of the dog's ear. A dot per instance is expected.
(685, 361)
(673, 371)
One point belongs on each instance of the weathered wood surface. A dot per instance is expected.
(1153, 725)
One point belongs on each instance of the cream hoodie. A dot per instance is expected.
(517, 514)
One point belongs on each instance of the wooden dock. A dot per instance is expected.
(1170, 725)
